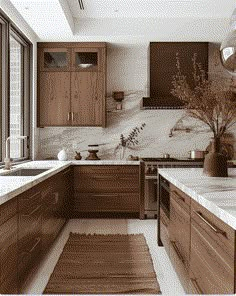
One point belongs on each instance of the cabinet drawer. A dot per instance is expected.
(211, 266)
(179, 263)
(29, 228)
(106, 202)
(180, 197)
(164, 231)
(8, 210)
(8, 256)
(221, 233)
(106, 169)
(180, 231)
(29, 258)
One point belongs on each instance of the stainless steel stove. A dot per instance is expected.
(151, 179)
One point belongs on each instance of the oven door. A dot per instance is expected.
(151, 188)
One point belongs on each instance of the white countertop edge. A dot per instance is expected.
(219, 212)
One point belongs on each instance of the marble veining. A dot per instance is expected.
(154, 140)
(216, 194)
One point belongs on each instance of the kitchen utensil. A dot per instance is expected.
(197, 154)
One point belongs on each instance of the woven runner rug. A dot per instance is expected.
(104, 264)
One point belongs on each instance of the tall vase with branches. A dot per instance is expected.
(211, 100)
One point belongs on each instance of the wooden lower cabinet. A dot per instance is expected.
(212, 261)
(55, 195)
(179, 232)
(106, 191)
(29, 232)
(201, 247)
(8, 248)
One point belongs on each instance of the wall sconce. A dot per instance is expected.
(118, 96)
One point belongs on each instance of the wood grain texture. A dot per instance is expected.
(54, 100)
(87, 97)
(113, 189)
(8, 257)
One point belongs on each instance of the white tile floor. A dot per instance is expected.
(166, 275)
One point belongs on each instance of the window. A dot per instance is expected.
(15, 90)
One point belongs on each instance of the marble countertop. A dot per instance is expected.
(216, 194)
(11, 186)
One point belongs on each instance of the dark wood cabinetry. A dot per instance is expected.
(71, 84)
(201, 247)
(41, 216)
(8, 248)
(212, 263)
(179, 232)
(106, 190)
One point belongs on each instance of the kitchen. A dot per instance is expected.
(166, 132)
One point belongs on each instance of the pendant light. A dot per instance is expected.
(228, 47)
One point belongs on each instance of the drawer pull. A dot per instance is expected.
(196, 286)
(178, 196)
(33, 211)
(56, 198)
(32, 196)
(37, 241)
(177, 251)
(67, 171)
(105, 195)
(213, 227)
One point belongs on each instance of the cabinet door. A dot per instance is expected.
(54, 59)
(87, 98)
(180, 240)
(54, 99)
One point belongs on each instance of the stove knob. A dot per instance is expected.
(154, 170)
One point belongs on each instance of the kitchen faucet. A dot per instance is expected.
(7, 159)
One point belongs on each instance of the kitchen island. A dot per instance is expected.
(197, 223)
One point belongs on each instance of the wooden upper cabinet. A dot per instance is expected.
(71, 84)
(54, 100)
(86, 99)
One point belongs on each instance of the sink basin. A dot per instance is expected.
(26, 172)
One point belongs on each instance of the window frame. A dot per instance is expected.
(11, 30)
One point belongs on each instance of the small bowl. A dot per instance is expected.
(85, 65)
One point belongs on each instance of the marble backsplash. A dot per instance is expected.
(154, 140)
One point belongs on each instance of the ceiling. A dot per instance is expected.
(133, 21)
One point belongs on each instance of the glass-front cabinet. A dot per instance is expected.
(86, 59)
(55, 59)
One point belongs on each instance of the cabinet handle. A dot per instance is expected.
(32, 212)
(32, 196)
(105, 195)
(178, 196)
(68, 116)
(196, 286)
(213, 227)
(72, 116)
(177, 251)
(56, 196)
(35, 245)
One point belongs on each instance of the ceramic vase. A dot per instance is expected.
(62, 155)
(215, 163)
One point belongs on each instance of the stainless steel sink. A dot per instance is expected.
(26, 172)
